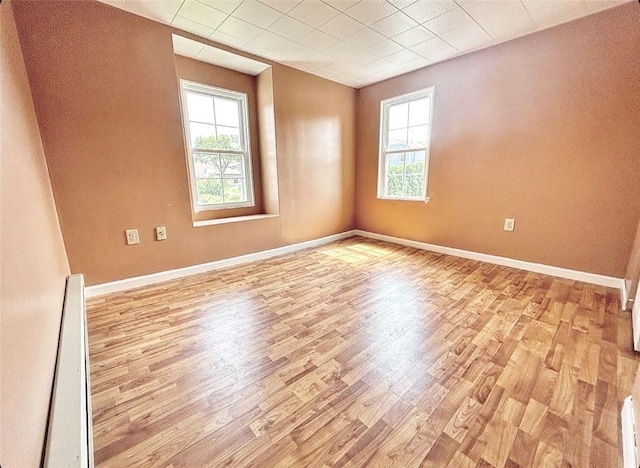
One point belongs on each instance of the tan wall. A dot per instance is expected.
(33, 264)
(201, 72)
(544, 129)
(107, 102)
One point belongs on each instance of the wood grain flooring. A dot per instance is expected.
(360, 353)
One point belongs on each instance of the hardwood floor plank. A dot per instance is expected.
(360, 353)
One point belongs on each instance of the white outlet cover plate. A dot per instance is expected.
(509, 224)
(132, 236)
(161, 233)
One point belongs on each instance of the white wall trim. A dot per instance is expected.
(575, 275)
(138, 281)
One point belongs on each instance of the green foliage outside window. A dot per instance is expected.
(411, 185)
(222, 188)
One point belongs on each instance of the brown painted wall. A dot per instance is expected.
(32, 261)
(201, 72)
(544, 129)
(107, 102)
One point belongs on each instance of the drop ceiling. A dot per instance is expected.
(360, 42)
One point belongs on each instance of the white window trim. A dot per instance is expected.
(384, 131)
(185, 86)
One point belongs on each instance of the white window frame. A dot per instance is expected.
(385, 105)
(245, 143)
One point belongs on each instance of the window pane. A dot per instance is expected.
(202, 135)
(394, 185)
(209, 191)
(419, 112)
(200, 108)
(228, 138)
(397, 139)
(206, 165)
(395, 162)
(413, 185)
(231, 165)
(398, 115)
(418, 136)
(234, 190)
(414, 163)
(227, 112)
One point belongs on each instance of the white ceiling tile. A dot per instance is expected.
(424, 10)
(283, 6)
(202, 14)
(215, 56)
(313, 12)
(290, 28)
(377, 66)
(370, 11)
(186, 47)
(413, 36)
(341, 4)
(443, 54)
(269, 41)
(299, 56)
(295, 51)
(429, 47)
(452, 19)
(257, 13)
(226, 39)
(226, 6)
(549, 13)
(318, 40)
(344, 49)
(468, 39)
(341, 50)
(594, 6)
(335, 68)
(341, 27)
(160, 11)
(502, 20)
(394, 24)
(381, 76)
(385, 47)
(412, 65)
(401, 57)
(361, 58)
(365, 38)
(248, 66)
(402, 3)
(191, 26)
(240, 29)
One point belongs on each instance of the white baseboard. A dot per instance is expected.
(130, 283)
(575, 275)
(138, 281)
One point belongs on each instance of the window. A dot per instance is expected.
(405, 134)
(218, 140)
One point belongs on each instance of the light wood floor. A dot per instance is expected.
(360, 353)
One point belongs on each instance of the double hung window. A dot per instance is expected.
(405, 134)
(216, 124)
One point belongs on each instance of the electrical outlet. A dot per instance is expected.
(509, 224)
(161, 233)
(132, 236)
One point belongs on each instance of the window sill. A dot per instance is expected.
(420, 200)
(235, 219)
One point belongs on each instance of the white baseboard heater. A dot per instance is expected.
(629, 448)
(69, 441)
